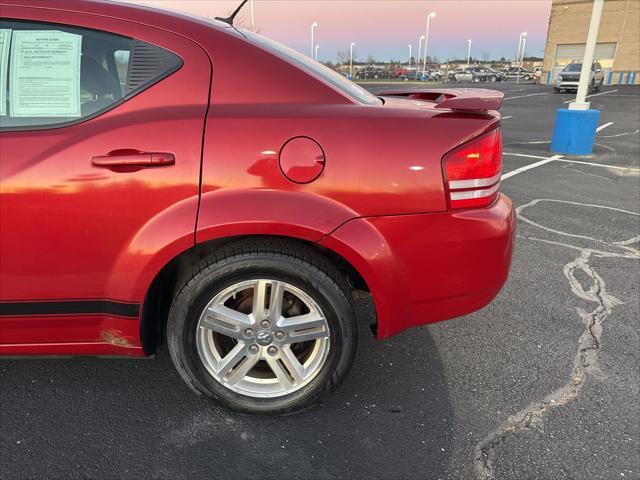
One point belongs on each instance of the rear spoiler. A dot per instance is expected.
(467, 99)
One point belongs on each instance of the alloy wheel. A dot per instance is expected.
(263, 338)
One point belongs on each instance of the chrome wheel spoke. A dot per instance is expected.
(276, 295)
(287, 368)
(303, 328)
(231, 359)
(275, 301)
(226, 321)
(243, 369)
(293, 365)
(259, 300)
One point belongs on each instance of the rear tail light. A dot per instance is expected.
(472, 171)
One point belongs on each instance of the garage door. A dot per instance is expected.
(605, 53)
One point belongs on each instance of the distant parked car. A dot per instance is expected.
(486, 74)
(405, 73)
(460, 75)
(569, 77)
(523, 73)
(537, 74)
(402, 72)
(435, 75)
(369, 72)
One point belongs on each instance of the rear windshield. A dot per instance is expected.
(573, 67)
(305, 63)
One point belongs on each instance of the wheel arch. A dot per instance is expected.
(162, 289)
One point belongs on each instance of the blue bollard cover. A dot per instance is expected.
(574, 131)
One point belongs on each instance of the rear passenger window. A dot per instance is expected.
(52, 75)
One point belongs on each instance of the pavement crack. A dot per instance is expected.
(589, 343)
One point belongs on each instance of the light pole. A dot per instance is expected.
(353, 44)
(469, 54)
(426, 40)
(313, 43)
(519, 47)
(587, 61)
(574, 132)
(523, 37)
(410, 47)
(524, 42)
(253, 18)
(317, 47)
(419, 57)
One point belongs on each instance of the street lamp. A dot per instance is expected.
(353, 44)
(524, 42)
(521, 42)
(410, 47)
(313, 43)
(317, 47)
(422, 37)
(426, 39)
(469, 54)
(519, 47)
(253, 18)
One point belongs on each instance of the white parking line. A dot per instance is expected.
(615, 167)
(620, 134)
(508, 116)
(529, 167)
(526, 155)
(530, 95)
(560, 159)
(602, 127)
(594, 95)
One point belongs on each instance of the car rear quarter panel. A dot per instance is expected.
(379, 161)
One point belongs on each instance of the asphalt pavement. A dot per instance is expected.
(541, 384)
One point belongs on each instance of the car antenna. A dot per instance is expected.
(230, 18)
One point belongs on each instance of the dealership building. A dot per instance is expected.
(618, 47)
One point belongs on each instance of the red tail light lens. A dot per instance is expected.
(472, 171)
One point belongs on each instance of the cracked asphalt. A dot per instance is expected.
(542, 384)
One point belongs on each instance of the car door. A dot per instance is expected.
(100, 144)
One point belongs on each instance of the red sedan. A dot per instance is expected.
(150, 194)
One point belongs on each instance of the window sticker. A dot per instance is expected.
(5, 40)
(45, 74)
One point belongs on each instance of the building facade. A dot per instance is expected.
(618, 45)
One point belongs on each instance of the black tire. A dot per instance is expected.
(493, 78)
(556, 90)
(289, 261)
(527, 77)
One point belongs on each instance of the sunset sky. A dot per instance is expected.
(385, 28)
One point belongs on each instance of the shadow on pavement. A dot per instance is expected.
(98, 418)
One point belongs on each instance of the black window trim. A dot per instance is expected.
(109, 107)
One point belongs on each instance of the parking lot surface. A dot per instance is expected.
(542, 384)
